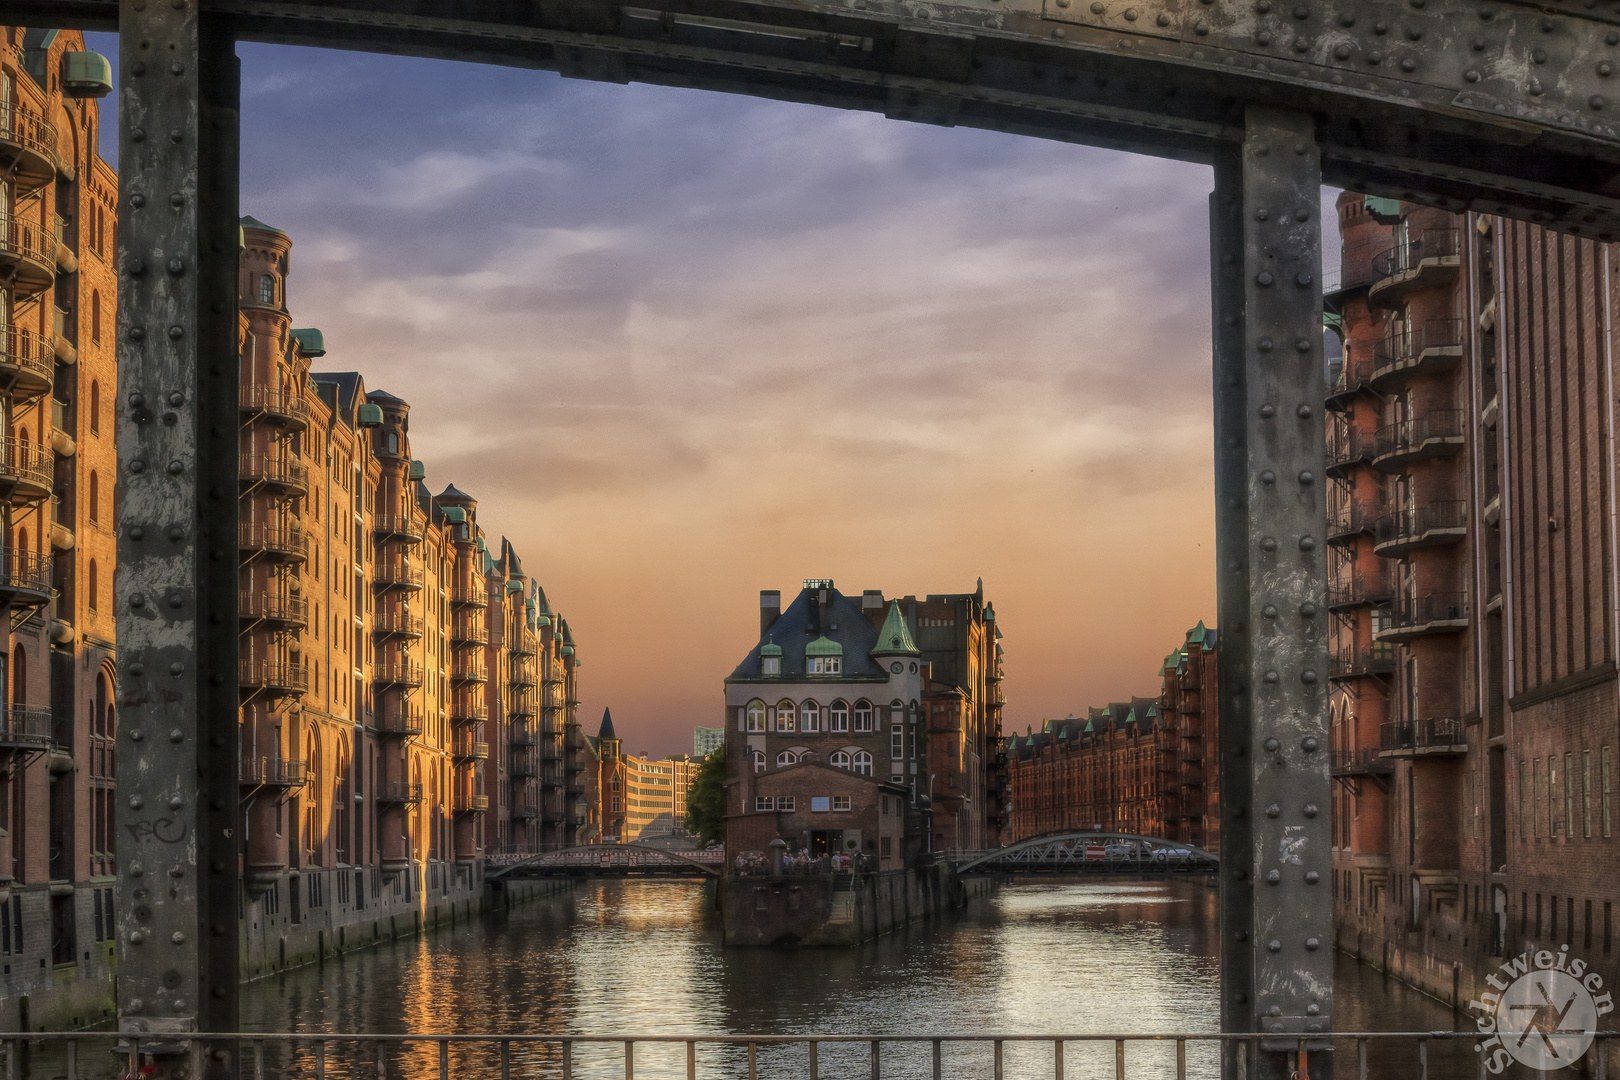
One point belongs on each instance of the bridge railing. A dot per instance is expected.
(1124, 1055)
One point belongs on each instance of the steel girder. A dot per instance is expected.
(1488, 105)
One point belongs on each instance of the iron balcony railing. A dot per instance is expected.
(1406, 436)
(1347, 448)
(281, 404)
(1415, 1055)
(470, 804)
(30, 357)
(1377, 660)
(1364, 587)
(467, 714)
(397, 623)
(290, 610)
(273, 469)
(1429, 732)
(273, 772)
(1411, 611)
(25, 728)
(522, 736)
(1414, 252)
(286, 541)
(469, 632)
(273, 675)
(393, 575)
(525, 811)
(397, 527)
(1366, 761)
(399, 721)
(468, 672)
(396, 792)
(24, 239)
(524, 645)
(26, 129)
(397, 674)
(476, 595)
(1417, 522)
(522, 705)
(25, 576)
(1413, 341)
(1350, 375)
(27, 464)
(1348, 519)
(523, 675)
(470, 749)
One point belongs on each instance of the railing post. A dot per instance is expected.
(691, 1060)
(567, 1059)
(506, 1059)
(937, 1061)
(815, 1063)
(1057, 1059)
(1423, 1059)
(753, 1061)
(1276, 919)
(444, 1059)
(382, 1061)
(73, 1059)
(1361, 1059)
(1181, 1059)
(320, 1059)
(877, 1071)
(1119, 1059)
(629, 1060)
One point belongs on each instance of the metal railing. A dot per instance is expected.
(1377, 660)
(465, 672)
(399, 722)
(389, 574)
(282, 403)
(470, 803)
(1432, 608)
(1411, 343)
(1413, 1055)
(25, 572)
(523, 675)
(1347, 518)
(470, 749)
(476, 595)
(397, 525)
(273, 469)
(275, 539)
(523, 763)
(273, 675)
(397, 622)
(23, 127)
(24, 239)
(25, 727)
(273, 772)
(1420, 520)
(24, 461)
(469, 631)
(396, 792)
(525, 811)
(467, 714)
(1349, 447)
(1350, 374)
(1416, 250)
(269, 606)
(401, 674)
(1405, 436)
(29, 351)
(1428, 732)
(1361, 762)
(1363, 587)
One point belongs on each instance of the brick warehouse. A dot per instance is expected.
(408, 692)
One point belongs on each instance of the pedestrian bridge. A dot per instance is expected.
(611, 860)
(1088, 852)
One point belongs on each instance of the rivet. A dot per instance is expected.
(1347, 19)
(1307, 543)
(136, 937)
(1302, 278)
(1267, 412)
(177, 68)
(1201, 28)
(137, 200)
(1313, 1009)
(1310, 810)
(177, 668)
(1268, 477)
(176, 468)
(176, 333)
(177, 937)
(1268, 544)
(1477, 43)
(1301, 12)
(1303, 412)
(176, 735)
(1408, 65)
(1413, 34)
(137, 1004)
(1605, 69)
(1273, 877)
(1306, 477)
(1263, 278)
(136, 870)
(1380, 27)
(1274, 945)
(137, 533)
(137, 601)
(1375, 57)
(1308, 677)
(1310, 744)
(1312, 944)
(1312, 877)
(1595, 101)
(137, 333)
(176, 266)
(1262, 215)
(1342, 52)
(176, 600)
(135, 268)
(1302, 44)
(1269, 612)
(177, 200)
(175, 803)
(1471, 75)
(1273, 810)
(1272, 745)
(1270, 677)
(1612, 37)
(1264, 344)
(1308, 610)
(136, 802)
(136, 670)
(1302, 214)
(1130, 14)
(1302, 345)
(1163, 19)
(1534, 86)
(137, 134)
(1275, 1010)
(176, 533)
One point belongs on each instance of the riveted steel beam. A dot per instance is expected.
(176, 579)
(1276, 921)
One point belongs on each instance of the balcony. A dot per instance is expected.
(462, 671)
(1361, 590)
(522, 765)
(1436, 524)
(25, 728)
(25, 578)
(1434, 735)
(282, 543)
(1346, 524)
(282, 475)
(525, 645)
(395, 793)
(27, 255)
(1352, 375)
(463, 597)
(27, 147)
(464, 713)
(471, 804)
(523, 675)
(286, 409)
(1432, 347)
(470, 750)
(400, 624)
(1354, 663)
(27, 362)
(523, 736)
(526, 811)
(1363, 762)
(27, 470)
(1433, 435)
(272, 676)
(273, 772)
(397, 674)
(401, 527)
(283, 611)
(1347, 450)
(1423, 616)
(468, 632)
(522, 705)
(1429, 258)
(406, 723)
(396, 576)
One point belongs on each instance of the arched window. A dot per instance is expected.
(809, 716)
(90, 581)
(98, 718)
(267, 289)
(838, 717)
(786, 757)
(784, 716)
(756, 715)
(393, 442)
(839, 759)
(95, 407)
(863, 716)
(19, 676)
(863, 763)
(95, 496)
(759, 761)
(95, 316)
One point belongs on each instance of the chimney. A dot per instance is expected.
(770, 608)
(872, 600)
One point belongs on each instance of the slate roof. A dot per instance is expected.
(348, 384)
(606, 731)
(452, 492)
(795, 628)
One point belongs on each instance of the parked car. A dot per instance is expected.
(1174, 856)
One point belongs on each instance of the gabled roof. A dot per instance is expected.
(797, 627)
(895, 638)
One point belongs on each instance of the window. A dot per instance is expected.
(820, 804)
(897, 742)
(95, 496)
(809, 716)
(784, 716)
(784, 802)
(1569, 796)
(771, 665)
(884, 847)
(1535, 798)
(825, 665)
(759, 761)
(95, 316)
(95, 407)
(90, 582)
(1586, 802)
(863, 763)
(838, 717)
(1606, 774)
(840, 803)
(764, 802)
(1523, 830)
(267, 289)
(863, 716)
(786, 757)
(756, 716)
(839, 759)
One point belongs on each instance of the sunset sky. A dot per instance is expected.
(684, 346)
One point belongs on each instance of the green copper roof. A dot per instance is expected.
(542, 620)
(1387, 211)
(454, 514)
(566, 650)
(771, 648)
(311, 342)
(369, 415)
(822, 646)
(418, 471)
(894, 638)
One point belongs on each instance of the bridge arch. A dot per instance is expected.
(605, 849)
(1070, 846)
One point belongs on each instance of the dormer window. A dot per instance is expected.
(826, 665)
(771, 665)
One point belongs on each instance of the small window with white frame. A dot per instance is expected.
(838, 718)
(756, 716)
(863, 763)
(784, 802)
(840, 803)
(809, 716)
(770, 665)
(785, 758)
(763, 803)
(897, 742)
(839, 759)
(825, 665)
(759, 761)
(785, 716)
(863, 717)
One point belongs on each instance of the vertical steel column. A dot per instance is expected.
(1277, 958)
(176, 513)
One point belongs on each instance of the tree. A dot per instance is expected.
(706, 799)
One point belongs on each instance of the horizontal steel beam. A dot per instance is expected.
(1484, 105)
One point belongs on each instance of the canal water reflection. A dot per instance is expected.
(645, 957)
